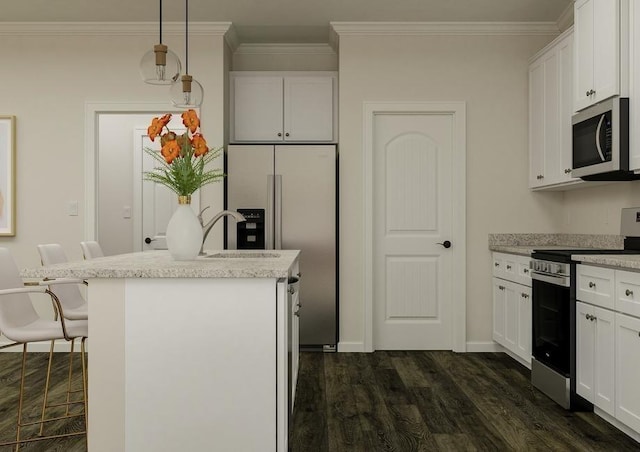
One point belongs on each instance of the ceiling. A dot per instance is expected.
(296, 21)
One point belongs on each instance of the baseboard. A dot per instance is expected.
(351, 347)
(484, 347)
(472, 347)
(60, 346)
(616, 423)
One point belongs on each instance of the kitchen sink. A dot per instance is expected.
(242, 255)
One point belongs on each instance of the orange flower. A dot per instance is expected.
(169, 136)
(170, 151)
(157, 124)
(199, 145)
(190, 120)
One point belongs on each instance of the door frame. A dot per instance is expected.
(91, 113)
(457, 110)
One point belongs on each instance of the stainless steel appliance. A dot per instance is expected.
(601, 141)
(553, 274)
(553, 329)
(289, 192)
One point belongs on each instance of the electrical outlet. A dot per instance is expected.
(72, 208)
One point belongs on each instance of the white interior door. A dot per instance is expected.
(412, 217)
(153, 203)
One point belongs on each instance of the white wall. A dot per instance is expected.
(489, 73)
(596, 210)
(48, 77)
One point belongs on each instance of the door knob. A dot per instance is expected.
(446, 244)
(148, 240)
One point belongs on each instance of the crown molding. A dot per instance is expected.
(111, 28)
(284, 49)
(566, 18)
(444, 28)
(232, 38)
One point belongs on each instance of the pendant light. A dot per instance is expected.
(188, 93)
(160, 66)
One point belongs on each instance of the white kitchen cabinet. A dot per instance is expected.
(628, 371)
(283, 107)
(512, 305)
(595, 285)
(550, 110)
(600, 46)
(595, 352)
(634, 86)
(294, 293)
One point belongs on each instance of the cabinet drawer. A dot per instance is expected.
(512, 267)
(627, 292)
(595, 285)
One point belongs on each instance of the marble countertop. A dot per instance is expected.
(160, 264)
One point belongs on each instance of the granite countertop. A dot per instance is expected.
(525, 244)
(621, 261)
(160, 264)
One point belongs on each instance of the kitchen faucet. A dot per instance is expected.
(207, 227)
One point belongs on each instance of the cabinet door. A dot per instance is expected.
(511, 315)
(499, 298)
(597, 51)
(565, 128)
(585, 351)
(604, 370)
(257, 108)
(308, 108)
(606, 49)
(524, 324)
(536, 124)
(628, 370)
(583, 53)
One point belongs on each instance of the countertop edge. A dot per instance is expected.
(159, 264)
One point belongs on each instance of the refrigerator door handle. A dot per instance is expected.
(278, 212)
(268, 227)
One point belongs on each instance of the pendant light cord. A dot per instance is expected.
(186, 37)
(160, 21)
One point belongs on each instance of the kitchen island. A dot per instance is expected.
(187, 355)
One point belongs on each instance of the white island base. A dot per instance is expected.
(187, 363)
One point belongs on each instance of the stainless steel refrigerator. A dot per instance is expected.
(288, 194)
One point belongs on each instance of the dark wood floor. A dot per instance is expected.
(435, 401)
(34, 387)
(385, 401)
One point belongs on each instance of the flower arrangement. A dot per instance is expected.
(183, 158)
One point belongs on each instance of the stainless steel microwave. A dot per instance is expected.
(601, 141)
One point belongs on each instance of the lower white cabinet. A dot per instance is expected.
(512, 317)
(608, 342)
(627, 371)
(595, 352)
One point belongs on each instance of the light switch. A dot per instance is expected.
(126, 212)
(72, 208)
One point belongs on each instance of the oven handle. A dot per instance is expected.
(563, 281)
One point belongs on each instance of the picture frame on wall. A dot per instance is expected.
(7, 176)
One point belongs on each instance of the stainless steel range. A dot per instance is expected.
(553, 367)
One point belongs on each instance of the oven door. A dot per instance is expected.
(551, 330)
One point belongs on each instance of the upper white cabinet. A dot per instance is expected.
(287, 107)
(601, 40)
(550, 110)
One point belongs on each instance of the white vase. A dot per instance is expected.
(184, 232)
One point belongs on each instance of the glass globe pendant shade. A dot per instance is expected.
(160, 66)
(187, 94)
